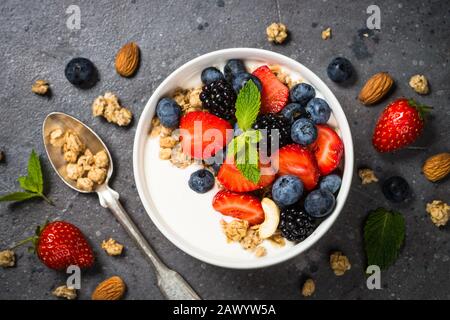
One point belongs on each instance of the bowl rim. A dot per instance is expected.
(141, 136)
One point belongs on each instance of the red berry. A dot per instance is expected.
(202, 134)
(299, 161)
(400, 124)
(232, 179)
(328, 149)
(275, 94)
(61, 244)
(239, 205)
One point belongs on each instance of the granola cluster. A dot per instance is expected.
(419, 83)
(277, 33)
(188, 99)
(326, 34)
(308, 288)
(65, 292)
(283, 76)
(40, 87)
(108, 107)
(7, 258)
(112, 247)
(339, 263)
(367, 176)
(439, 212)
(82, 165)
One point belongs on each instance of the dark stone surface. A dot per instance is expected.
(35, 43)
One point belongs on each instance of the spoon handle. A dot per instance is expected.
(171, 284)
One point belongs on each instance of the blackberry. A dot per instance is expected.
(295, 224)
(219, 98)
(271, 121)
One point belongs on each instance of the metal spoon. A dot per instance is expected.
(171, 284)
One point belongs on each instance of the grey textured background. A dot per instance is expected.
(35, 43)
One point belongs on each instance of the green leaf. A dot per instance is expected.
(35, 172)
(248, 103)
(18, 196)
(247, 158)
(28, 185)
(384, 234)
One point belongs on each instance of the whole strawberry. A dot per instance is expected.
(400, 124)
(60, 244)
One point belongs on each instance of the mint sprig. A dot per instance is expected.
(244, 147)
(32, 183)
(384, 234)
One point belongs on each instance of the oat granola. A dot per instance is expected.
(65, 292)
(276, 32)
(439, 212)
(339, 263)
(235, 230)
(40, 87)
(309, 287)
(326, 34)
(108, 106)
(367, 176)
(112, 247)
(7, 258)
(419, 83)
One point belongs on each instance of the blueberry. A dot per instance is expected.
(395, 189)
(293, 111)
(81, 72)
(241, 79)
(237, 130)
(331, 183)
(217, 160)
(319, 203)
(287, 190)
(201, 181)
(302, 93)
(233, 67)
(319, 110)
(303, 132)
(211, 74)
(168, 112)
(339, 69)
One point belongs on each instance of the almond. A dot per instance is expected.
(110, 289)
(376, 88)
(127, 59)
(437, 167)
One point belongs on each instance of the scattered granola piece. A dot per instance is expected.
(85, 184)
(40, 87)
(112, 247)
(165, 153)
(74, 171)
(283, 76)
(367, 176)
(326, 34)
(179, 158)
(260, 251)
(97, 175)
(308, 288)
(65, 292)
(439, 212)
(276, 32)
(108, 107)
(7, 258)
(251, 239)
(235, 230)
(419, 83)
(339, 263)
(167, 142)
(101, 159)
(277, 240)
(156, 127)
(194, 98)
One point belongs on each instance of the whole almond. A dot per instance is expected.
(437, 167)
(376, 88)
(127, 59)
(110, 289)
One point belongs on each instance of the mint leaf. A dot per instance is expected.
(18, 196)
(384, 234)
(35, 172)
(247, 157)
(248, 103)
(28, 185)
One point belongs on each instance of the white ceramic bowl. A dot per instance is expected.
(187, 219)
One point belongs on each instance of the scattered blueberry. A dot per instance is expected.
(287, 190)
(81, 72)
(303, 131)
(319, 203)
(319, 110)
(201, 181)
(241, 79)
(233, 67)
(302, 93)
(293, 111)
(339, 69)
(168, 112)
(211, 74)
(331, 183)
(395, 189)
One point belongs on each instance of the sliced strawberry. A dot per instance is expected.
(239, 205)
(232, 179)
(275, 94)
(299, 161)
(202, 134)
(328, 149)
